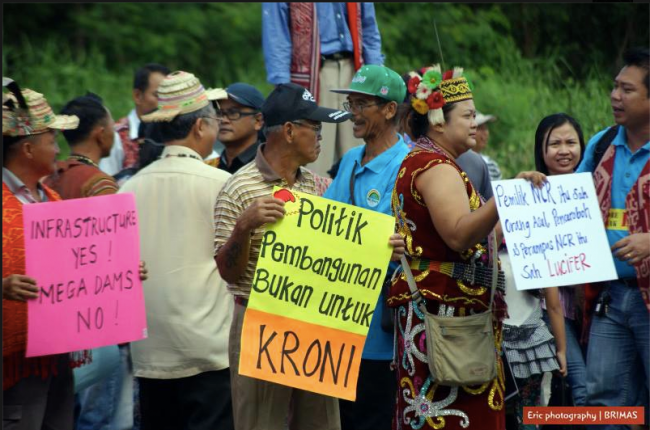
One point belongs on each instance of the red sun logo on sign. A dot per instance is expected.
(285, 196)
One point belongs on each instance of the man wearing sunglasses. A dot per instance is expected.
(240, 126)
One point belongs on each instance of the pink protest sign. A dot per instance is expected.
(84, 255)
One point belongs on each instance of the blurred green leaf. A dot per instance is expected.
(525, 60)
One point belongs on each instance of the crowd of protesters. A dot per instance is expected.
(403, 144)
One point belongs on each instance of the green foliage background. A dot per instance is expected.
(525, 60)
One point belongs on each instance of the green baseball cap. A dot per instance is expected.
(379, 81)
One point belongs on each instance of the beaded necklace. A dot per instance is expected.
(429, 145)
(83, 159)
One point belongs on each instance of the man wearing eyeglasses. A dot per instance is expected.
(182, 366)
(366, 178)
(240, 126)
(293, 124)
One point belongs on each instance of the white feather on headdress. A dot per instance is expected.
(436, 116)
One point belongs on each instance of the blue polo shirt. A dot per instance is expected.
(373, 187)
(627, 168)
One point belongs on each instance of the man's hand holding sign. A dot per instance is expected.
(320, 271)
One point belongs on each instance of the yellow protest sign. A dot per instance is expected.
(316, 285)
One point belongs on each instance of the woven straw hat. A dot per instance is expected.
(482, 119)
(180, 93)
(31, 116)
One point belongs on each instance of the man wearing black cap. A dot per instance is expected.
(240, 126)
(293, 126)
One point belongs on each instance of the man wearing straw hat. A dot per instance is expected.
(37, 391)
(182, 366)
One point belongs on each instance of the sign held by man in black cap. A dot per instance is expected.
(293, 122)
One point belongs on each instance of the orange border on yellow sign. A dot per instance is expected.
(299, 354)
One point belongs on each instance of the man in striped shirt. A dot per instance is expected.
(293, 131)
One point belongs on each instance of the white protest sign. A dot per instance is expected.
(555, 235)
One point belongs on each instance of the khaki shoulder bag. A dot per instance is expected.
(460, 350)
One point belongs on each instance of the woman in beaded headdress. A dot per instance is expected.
(443, 219)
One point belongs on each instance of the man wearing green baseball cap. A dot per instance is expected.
(366, 178)
(376, 81)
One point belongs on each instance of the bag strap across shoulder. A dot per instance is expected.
(352, 201)
(603, 143)
(416, 295)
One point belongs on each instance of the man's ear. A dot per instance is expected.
(27, 148)
(199, 127)
(391, 110)
(137, 96)
(259, 121)
(97, 132)
(288, 132)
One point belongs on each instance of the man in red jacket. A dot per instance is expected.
(38, 391)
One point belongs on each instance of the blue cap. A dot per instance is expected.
(246, 95)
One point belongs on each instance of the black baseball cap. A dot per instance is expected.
(290, 102)
(245, 95)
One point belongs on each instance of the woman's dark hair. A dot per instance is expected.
(419, 123)
(543, 133)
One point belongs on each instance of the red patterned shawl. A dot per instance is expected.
(305, 43)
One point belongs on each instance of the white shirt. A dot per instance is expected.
(189, 309)
(112, 164)
(521, 304)
(134, 124)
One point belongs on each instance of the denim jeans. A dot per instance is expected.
(618, 355)
(575, 362)
(100, 406)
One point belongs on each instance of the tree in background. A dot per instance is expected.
(525, 60)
